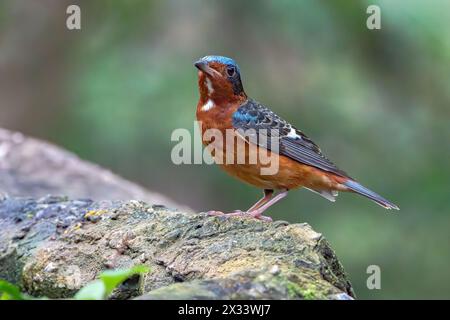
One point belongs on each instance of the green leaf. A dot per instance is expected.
(109, 280)
(8, 291)
(94, 290)
(113, 278)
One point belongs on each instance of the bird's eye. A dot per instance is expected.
(231, 71)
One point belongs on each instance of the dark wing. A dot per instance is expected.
(260, 125)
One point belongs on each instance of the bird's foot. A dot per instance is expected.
(239, 213)
(229, 214)
(257, 215)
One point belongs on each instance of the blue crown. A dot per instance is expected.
(222, 60)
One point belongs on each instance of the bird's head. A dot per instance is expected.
(219, 79)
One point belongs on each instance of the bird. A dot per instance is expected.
(224, 106)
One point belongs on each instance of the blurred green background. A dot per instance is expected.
(377, 102)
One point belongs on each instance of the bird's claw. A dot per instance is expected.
(214, 213)
(240, 213)
(261, 217)
(230, 214)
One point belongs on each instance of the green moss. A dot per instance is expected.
(294, 290)
(30, 214)
(297, 287)
(281, 281)
(312, 293)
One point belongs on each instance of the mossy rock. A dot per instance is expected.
(54, 246)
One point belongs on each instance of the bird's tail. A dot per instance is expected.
(356, 187)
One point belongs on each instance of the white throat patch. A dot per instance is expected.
(208, 105)
(209, 86)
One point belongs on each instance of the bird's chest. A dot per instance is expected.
(215, 119)
(218, 134)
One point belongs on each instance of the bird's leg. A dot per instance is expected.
(267, 196)
(257, 209)
(257, 213)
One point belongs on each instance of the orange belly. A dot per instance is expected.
(287, 173)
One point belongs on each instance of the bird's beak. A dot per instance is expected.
(203, 66)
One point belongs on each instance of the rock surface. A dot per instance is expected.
(53, 246)
(31, 167)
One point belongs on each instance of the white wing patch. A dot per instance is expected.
(208, 105)
(293, 134)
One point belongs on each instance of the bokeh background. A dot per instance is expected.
(377, 102)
